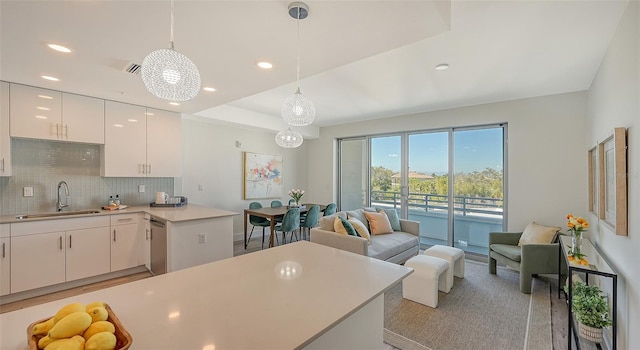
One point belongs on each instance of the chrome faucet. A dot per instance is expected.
(59, 204)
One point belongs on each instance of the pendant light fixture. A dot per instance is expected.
(297, 110)
(289, 139)
(170, 75)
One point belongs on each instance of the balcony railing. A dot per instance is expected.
(463, 205)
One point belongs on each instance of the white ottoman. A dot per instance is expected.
(428, 276)
(455, 258)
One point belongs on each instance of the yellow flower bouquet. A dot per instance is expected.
(576, 225)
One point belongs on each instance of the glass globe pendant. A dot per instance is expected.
(289, 139)
(298, 110)
(170, 75)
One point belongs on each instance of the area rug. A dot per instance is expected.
(482, 311)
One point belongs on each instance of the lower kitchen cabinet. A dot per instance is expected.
(126, 245)
(5, 259)
(37, 261)
(87, 253)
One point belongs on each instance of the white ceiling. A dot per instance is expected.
(359, 59)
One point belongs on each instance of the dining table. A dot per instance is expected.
(272, 214)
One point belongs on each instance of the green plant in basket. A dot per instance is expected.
(590, 306)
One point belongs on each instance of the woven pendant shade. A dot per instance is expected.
(170, 75)
(289, 139)
(297, 110)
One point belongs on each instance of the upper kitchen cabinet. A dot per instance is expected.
(163, 143)
(141, 142)
(52, 115)
(125, 148)
(5, 139)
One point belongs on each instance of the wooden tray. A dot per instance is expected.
(123, 338)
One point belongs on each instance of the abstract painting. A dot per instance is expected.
(262, 176)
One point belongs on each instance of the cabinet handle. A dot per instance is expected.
(146, 235)
(2, 165)
(149, 169)
(114, 235)
(57, 130)
(69, 241)
(128, 219)
(3, 249)
(60, 242)
(66, 131)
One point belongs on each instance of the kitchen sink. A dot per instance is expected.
(57, 214)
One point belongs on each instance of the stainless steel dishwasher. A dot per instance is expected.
(158, 246)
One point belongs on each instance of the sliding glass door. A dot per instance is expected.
(450, 180)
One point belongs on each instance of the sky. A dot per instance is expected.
(474, 150)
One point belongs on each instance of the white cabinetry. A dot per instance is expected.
(40, 253)
(126, 245)
(5, 139)
(87, 252)
(163, 144)
(5, 259)
(141, 142)
(52, 115)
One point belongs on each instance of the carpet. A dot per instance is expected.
(482, 311)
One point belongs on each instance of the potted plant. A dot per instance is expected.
(592, 311)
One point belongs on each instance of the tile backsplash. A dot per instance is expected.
(43, 164)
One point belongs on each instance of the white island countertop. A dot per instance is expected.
(278, 298)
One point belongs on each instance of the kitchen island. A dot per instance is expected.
(300, 295)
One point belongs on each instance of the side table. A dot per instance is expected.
(597, 266)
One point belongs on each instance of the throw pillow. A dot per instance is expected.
(358, 214)
(378, 222)
(536, 234)
(327, 222)
(392, 214)
(342, 226)
(361, 228)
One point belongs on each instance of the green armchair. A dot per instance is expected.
(529, 259)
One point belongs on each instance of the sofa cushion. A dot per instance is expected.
(537, 234)
(378, 222)
(342, 226)
(384, 247)
(361, 228)
(326, 222)
(394, 220)
(510, 251)
(358, 214)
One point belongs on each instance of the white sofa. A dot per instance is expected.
(396, 247)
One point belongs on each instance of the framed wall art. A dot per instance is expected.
(262, 176)
(593, 181)
(612, 166)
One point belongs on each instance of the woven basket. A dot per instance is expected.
(590, 333)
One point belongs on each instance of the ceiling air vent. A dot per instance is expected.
(133, 68)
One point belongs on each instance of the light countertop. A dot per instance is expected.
(185, 213)
(278, 298)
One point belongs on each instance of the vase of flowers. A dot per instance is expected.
(296, 194)
(576, 226)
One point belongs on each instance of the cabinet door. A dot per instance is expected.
(125, 141)
(5, 266)
(87, 253)
(82, 119)
(37, 261)
(125, 247)
(5, 140)
(35, 113)
(163, 144)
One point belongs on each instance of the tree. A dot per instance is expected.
(381, 178)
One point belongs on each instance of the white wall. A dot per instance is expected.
(210, 158)
(547, 156)
(613, 101)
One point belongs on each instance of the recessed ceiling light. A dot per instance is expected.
(132, 120)
(208, 88)
(265, 65)
(149, 113)
(118, 125)
(59, 48)
(43, 108)
(46, 97)
(442, 66)
(174, 103)
(49, 78)
(41, 117)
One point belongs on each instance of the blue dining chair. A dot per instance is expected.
(330, 209)
(310, 220)
(292, 202)
(276, 203)
(257, 221)
(290, 223)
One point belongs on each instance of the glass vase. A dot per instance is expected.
(576, 242)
